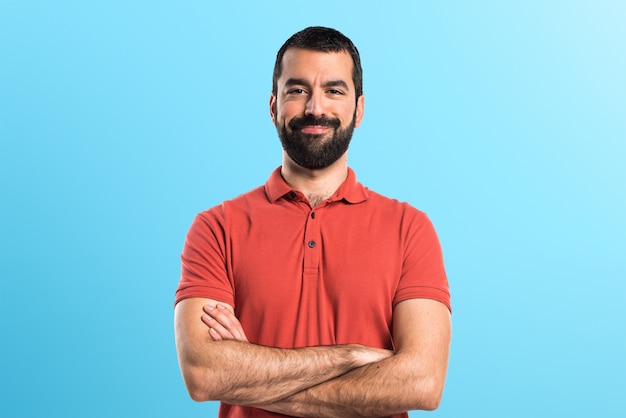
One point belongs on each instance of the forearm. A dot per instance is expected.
(241, 373)
(411, 379)
(395, 385)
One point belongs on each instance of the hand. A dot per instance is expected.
(222, 323)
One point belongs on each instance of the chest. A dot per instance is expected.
(316, 275)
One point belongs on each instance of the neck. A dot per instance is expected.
(316, 185)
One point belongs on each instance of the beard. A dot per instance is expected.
(313, 151)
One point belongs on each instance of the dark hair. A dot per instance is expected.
(318, 38)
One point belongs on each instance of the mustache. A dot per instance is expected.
(299, 123)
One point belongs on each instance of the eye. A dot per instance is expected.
(296, 91)
(335, 91)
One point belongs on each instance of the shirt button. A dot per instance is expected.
(311, 244)
(292, 195)
(313, 215)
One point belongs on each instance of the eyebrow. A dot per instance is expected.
(301, 82)
(337, 83)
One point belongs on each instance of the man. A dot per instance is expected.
(313, 296)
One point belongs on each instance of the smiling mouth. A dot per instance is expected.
(315, 129)
(311, 125)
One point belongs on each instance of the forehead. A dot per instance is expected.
(316, 65)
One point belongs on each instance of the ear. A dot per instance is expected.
(360, 105)
(273, 108)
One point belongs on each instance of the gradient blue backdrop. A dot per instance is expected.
(504, 121)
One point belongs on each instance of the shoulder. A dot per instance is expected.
(229, 212)
(399, 215)
(239, 204)
(387, 204)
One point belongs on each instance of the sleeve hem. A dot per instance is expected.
(204, 292)
(424, 292)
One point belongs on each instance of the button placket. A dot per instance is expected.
(312, 243)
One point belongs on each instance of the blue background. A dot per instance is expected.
(504, 121)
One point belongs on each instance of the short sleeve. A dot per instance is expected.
(204, 271)
(423, 273)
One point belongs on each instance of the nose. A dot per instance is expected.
(314, 106)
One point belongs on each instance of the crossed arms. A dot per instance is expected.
(218, 363)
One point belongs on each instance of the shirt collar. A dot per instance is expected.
(350, 190)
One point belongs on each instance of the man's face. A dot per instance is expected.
(315, 109)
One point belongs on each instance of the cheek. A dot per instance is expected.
(344, 110)
(348, 115)
(290, 109)
(285, 113)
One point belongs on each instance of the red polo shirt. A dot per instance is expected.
(300, 276)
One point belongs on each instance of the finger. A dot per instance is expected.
(231, 323)
(226, 319)
(215, 335)
(216, 329)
